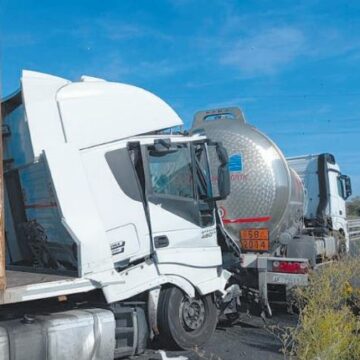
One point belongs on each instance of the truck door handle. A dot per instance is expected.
(161, 241)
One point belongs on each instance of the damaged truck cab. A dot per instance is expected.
(100, 195)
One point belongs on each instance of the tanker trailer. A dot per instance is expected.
(264, 211)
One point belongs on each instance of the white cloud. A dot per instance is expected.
(113, 67)
(267, 43)
(266, 52)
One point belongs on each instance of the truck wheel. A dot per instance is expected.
(184, 322)
(342, 249)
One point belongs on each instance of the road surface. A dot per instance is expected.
(249, 338)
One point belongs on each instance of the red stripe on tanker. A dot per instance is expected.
(247, 220)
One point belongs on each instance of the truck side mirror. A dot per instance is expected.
(223, 172)
(346, 185)
(220, 176)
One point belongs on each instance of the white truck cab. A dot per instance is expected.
(100, 195)
(326, 190)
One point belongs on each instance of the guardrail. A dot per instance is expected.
(354, 229)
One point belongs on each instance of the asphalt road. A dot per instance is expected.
(249, 338)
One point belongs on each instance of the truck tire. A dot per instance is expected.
(184, 322)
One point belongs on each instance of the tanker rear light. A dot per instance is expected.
(292, 267)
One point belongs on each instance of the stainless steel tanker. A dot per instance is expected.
(265, 208)
(265, 205)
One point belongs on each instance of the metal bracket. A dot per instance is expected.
(153, 303)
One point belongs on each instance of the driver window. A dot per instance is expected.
(171, 172)
(340, 187)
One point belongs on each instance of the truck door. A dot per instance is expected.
(337, 202)
(177, 184)
(338, 206)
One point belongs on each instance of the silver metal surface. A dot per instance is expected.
(75, 334)
(153, 302)
(25, 286)
(287, 279)
(192, 313)
(4, 344)
(354, 229)
(265, 193)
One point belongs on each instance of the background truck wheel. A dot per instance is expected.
(185, 322)
(341, 243)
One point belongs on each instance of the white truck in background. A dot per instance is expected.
(326, 190)
(110, 223)
(286, 215)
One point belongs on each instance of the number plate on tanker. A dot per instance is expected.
(254, 239)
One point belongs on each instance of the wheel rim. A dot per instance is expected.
(192, 313)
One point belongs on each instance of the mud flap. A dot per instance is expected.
(303, 247)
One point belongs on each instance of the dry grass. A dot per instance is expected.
(329, 322)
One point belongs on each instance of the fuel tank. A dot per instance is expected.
(265, 193)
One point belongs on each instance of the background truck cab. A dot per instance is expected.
(326, 192)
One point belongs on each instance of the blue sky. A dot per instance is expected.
(292, 66)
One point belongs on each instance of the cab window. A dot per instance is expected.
(340, 187)
(171, 172)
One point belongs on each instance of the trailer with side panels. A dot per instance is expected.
(264, 212)
(111, 223)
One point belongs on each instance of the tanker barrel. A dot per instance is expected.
(266, 198)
